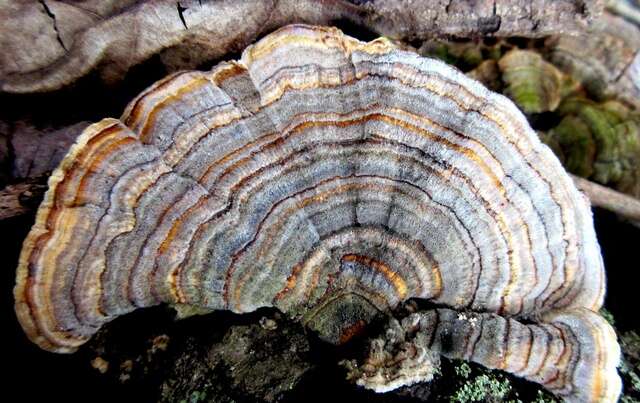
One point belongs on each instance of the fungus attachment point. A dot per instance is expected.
(342, 318)
(332, 179)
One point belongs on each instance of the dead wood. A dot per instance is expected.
(623, 205)
(49, 44)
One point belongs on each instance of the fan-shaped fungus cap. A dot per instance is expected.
(332, 179)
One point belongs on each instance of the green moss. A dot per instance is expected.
(184, 311)
(630, 342)
(630, 372)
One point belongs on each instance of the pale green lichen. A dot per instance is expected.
(483, 388)
(483, 385)
(543, 398)
(463, 370)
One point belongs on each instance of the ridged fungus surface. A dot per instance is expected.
(332, 179)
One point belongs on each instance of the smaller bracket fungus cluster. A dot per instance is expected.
(332, 179)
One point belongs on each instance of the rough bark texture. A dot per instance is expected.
(39, 151)
(5, 158)
(28, 154)
(49, 44)
(605, 59)
(256, 362)
(21, 198)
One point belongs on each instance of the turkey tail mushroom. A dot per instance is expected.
(561, 351)
(332, 179)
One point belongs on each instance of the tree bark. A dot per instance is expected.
(21, 198)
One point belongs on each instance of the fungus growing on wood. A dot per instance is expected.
(332, 179)
(532, 83)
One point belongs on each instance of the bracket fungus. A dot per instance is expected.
(332, 179)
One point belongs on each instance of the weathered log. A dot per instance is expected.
(605, 59)
(625, 206)
(38, 151)
(21, 198)
(49, 44)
